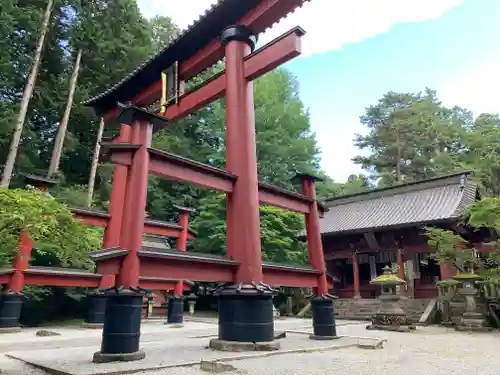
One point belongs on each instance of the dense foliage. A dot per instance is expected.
(55, 234)
(412, 136)
(278, 231)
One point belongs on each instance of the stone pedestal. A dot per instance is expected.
(245, 319)
(471, 320)
(96, 311)
(11, 305)
(175, 310)
(323, 316)
(122, 328)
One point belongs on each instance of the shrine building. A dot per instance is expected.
(364, 232)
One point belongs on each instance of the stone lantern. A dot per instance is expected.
(390, 316)
(471, 319)
(191, 300)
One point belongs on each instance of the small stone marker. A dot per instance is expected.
(216, 367)
(280, 335)
(44, 332)
(365, 344)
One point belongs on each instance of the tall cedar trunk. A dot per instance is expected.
(61, 132)
(28, 92)
(95, 162)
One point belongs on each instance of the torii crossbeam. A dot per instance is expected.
(228, 30)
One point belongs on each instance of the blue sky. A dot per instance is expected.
(354, 53)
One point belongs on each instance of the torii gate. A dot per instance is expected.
(228, 30)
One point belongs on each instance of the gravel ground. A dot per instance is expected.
(429, 350)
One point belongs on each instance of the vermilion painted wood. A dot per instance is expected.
(150, 226)
(314, 244)
(355, 270)
(109, 266)
(261, 62)
(198, 174)
(62, 279)
(241, 160)
(117, 196)
(258, 20)
(181, 245)
(21, 263)
(135, 206)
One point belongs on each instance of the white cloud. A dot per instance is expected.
(475, 88)
(329, 23)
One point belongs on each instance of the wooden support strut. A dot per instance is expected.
(181, 244)
(180, 169)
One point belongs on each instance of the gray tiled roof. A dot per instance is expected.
(434, 200)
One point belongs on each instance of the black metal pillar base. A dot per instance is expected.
(175, 310)
(122, 328)
(96, 310)
(11, 305)
(323, 317)
(246, 313)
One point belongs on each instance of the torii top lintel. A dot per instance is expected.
(195, 49)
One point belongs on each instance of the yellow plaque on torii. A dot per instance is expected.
(169, 86)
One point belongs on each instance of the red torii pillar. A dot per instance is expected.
(175, 312)
(11, 301)
(124, 304)
(248, 302)
(322, 303)
(97, 298)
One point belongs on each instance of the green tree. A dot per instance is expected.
(163, 31)
(279, 230)
(411, 137)
(482, 153)
(49, 224)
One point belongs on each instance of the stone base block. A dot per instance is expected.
(216, 367)
(10, 330)
(236, 346)
(473, 329)
(408, 328)
(92, 325)
(100, 357)
(174, 325)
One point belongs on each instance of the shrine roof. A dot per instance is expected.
(196, 36)
(435, 200)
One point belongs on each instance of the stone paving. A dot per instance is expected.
(178, 351)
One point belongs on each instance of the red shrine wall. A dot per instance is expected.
(421, 271)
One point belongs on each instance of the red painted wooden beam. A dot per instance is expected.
(202, 267)
(265, 15)
(289, 200)
(101, 219)
(5, 275)
(262, 61)
(265, 59)
(180, 169)
(187, 266)
(156, 283)
(60, 277)
(91, 218)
